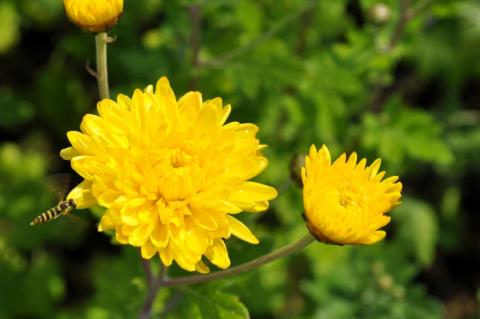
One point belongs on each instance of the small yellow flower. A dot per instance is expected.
(94, 15)
(345, 202)
(171, 174)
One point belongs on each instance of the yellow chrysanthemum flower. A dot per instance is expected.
(94, 15)
(346, 202)
(170, 174)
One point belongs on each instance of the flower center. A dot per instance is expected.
(180, 159)
(177, 174)
(351, 195)
(173, 212)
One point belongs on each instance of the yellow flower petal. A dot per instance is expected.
(106, 222)
(85, 166)
(375, 237)
(204, 219)
(107, 199)
(69, 153)
(202, 268)
(166, 255)
(82, 195)
(207, 120)
(148, 250)
(252, 196)
(103, 132)
(185, 263)
(166, 97)
(140, 235)
(160, 236)
(218, 255)
(189, 105)
(241, 231)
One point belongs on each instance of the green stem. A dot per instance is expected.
(281, 252)
(101, 40)
(153, 286)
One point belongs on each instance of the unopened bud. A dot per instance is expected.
(94, 15)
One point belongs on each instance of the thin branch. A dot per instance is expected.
(89, 69)
(407, 13)
(305, 22)
(220, 60)
(281, 252)
(405, 16)
(418, 9)
(147, 269)
(153, 286)
(378, 89)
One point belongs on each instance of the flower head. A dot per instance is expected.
(94, 15)
(171, 173)
(345, 202)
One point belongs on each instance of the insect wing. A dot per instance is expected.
(59, 184)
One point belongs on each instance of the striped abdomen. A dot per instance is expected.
(52, 213)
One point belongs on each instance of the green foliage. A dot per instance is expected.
(306, 72)
(419, 228)
(17, 111)
(403, 135)
(113, 298)
(208, 302)
(371, 278)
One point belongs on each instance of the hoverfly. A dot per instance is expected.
(63, 208)
(59, 183)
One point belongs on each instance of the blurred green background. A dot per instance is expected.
(398, 80)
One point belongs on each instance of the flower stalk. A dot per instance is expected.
(260, 261)
(101, 41)
(153, 286)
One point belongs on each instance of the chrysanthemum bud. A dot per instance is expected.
(94, 15)
(345, 201)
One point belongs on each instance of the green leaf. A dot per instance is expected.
(209, 302)
(9, 24)
(401, 133)
(419, 228)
